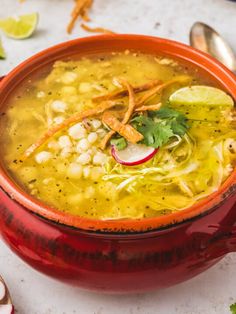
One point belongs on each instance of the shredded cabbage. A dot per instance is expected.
(181, 173)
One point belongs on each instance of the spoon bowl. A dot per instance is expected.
(206, 39)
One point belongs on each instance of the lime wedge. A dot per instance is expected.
(201, 95)
(19, 27)
(2, 51)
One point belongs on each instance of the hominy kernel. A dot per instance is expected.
(99, 158)
(41, 94)
(77, 131)
(83, 144)
(64, 141)
(84, 159)
(66, 151)
(54, 145)
(58, 106)
(43, 157)
(89, 192)
(101, 133)
(92, 137)
(95, 124)
(69, 77)
(58, 120)
(86, 172)
(74, 171)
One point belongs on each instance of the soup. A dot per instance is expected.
(121, 135)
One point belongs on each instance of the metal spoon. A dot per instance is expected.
(205, 38)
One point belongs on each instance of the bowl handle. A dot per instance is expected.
(223, 242)
(230, 238)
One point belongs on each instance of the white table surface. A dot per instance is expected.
(211, 292)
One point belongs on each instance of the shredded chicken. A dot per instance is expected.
(71, 120)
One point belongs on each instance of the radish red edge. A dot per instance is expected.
(149, 155)
(7, 309)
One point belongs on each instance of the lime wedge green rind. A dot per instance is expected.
(201, 95)
(2, 51)
(20, 27)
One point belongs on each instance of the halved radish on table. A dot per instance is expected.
(133, 154)
(6, 309)
(6, 306)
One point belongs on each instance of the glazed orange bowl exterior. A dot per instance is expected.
(118, 255)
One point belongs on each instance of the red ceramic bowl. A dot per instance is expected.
(124, 255)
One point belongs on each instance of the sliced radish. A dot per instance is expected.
(133, 154)
(6, 309)
(2, 291)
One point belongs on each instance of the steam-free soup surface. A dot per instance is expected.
(71, 171)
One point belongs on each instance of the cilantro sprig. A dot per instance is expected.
(158, 128)
(120, 143)
(175, 118)
(155, 134)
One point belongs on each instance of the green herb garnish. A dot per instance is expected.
(155, 134)
(160, 126)
(120, 143)
(233, 308)
(175, 118)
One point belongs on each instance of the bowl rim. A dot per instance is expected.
(201, 60)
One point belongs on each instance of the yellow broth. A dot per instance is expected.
(71, 173)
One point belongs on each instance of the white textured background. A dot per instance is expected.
(210, 293)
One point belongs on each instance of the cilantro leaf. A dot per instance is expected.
(155, 134)
(120, 143)
(166, 113)
(233, 308)
(175, 118)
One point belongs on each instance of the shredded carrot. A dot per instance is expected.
(125, 130)
(127, 115)
(124, 92)
(149, 108)
(96, 29)
(71, 120)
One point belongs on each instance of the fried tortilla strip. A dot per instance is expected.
(66, 123)
(132, 103)
(80, 9)
(124, 92)
(149, 108)
(96, 29)
(125, 130)
(84, 16)
(127, 115)
(158, 89)
(84, 11)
